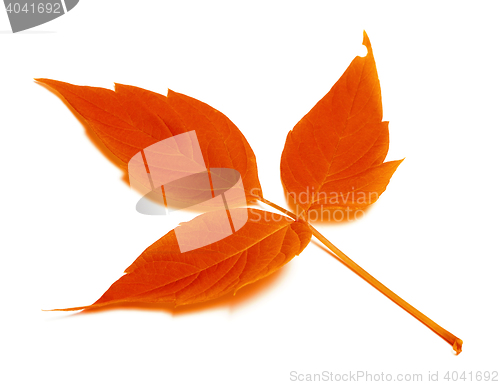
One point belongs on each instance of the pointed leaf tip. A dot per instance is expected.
(40, 80)
(366, 42)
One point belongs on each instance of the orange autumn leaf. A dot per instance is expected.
(162, 274)
(333, 158)
(130, 119)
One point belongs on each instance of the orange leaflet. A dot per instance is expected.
(130, 119)
(333, 158)
(162, 274)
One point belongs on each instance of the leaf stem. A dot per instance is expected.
(454, 341)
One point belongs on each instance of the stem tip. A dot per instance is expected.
(457, 346)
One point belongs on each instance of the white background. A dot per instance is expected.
(69, 228)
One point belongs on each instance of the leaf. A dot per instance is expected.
(162, 274)
(336, 150)
(130, 119)
(333, 158)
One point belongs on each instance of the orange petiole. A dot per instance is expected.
(454, 341)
